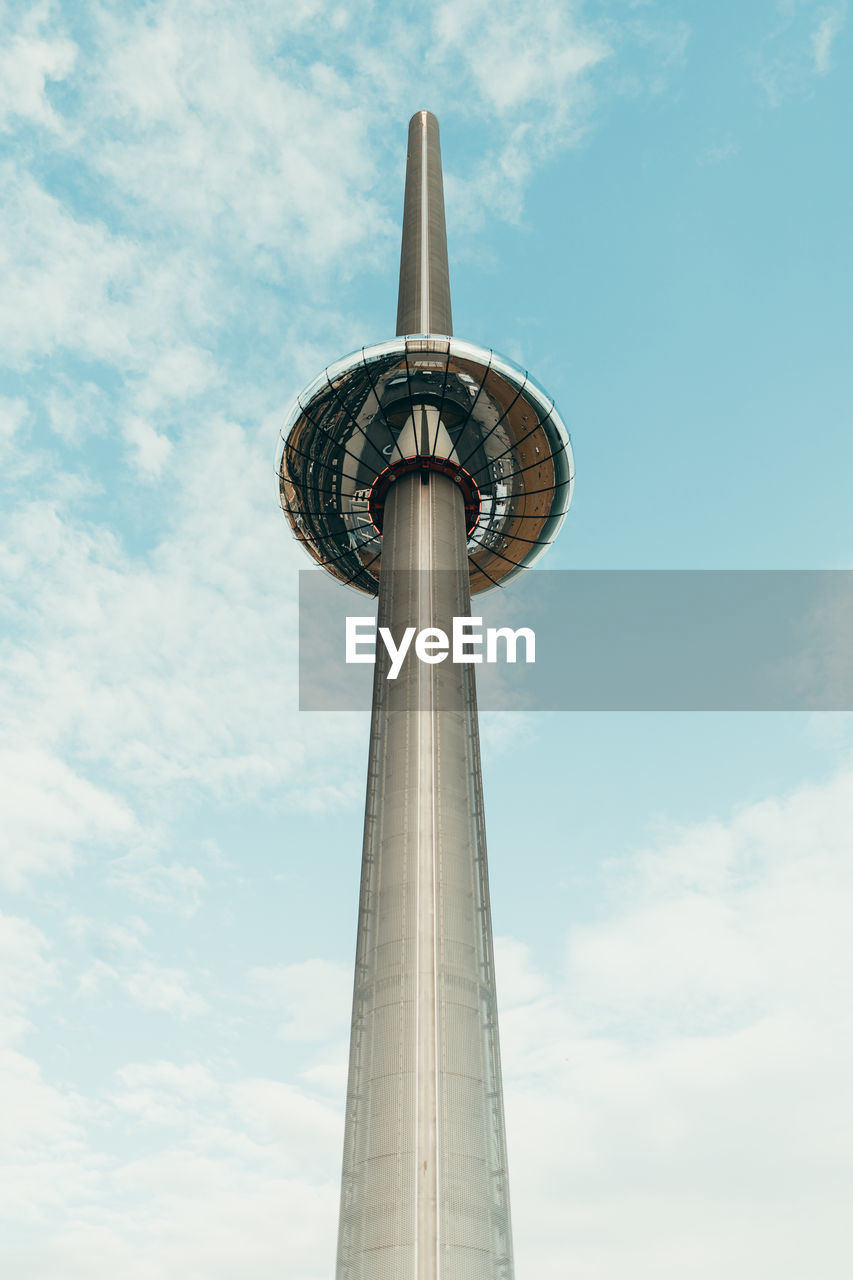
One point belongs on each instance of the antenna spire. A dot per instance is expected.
(423, 304)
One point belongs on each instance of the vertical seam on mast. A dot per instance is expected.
(425, 277)
(433, 712)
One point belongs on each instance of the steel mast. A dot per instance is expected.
(424, 1191)
(424, 469)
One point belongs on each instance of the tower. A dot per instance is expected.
(424, 469)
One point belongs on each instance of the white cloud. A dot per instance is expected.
(177, 374)
(235, 1179)
(51, 815)
(718, 153)
(42, 1134)
(529, 67)
(165, 1093)
(13, 413)
(115, 937)
(308, 1133)
(314, 997)
(30, 58)
(77, 409)
(151, 451)
(26, 972)
(163, 989)
(68, 282)
(824, 35)
(166, 669)
(151, 985)
(516, 56)
(798, 48)
(170, 886)
(690, 1077)
(212, 133)
(44, 1166)
(15, 422)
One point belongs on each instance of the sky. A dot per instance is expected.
(648, 204)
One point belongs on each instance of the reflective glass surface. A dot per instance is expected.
(499, 427)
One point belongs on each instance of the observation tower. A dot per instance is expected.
(424, 469)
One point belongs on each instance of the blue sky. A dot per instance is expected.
(649, 204)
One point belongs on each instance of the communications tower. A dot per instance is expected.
(424, 469)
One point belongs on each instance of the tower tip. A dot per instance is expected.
(423, 301)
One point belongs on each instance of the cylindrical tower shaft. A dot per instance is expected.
(425, 468)
(424, 1193)
(423, 304)
(424, 1186)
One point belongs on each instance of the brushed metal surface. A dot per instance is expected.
(424, 1191)
(423, 304)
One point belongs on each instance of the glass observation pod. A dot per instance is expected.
(354, 430)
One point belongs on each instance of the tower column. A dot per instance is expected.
(424, 1193)
(424, 1185)
(424, 468)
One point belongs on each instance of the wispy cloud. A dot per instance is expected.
(797, 48)
(313, 997)
(27, 972)
(824, 35)
(718, 153)
(693, 1058)
(33, 56)
(696, 1056)
(167, 990)
(50, 813)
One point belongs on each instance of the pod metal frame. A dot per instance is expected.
(511, 453)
